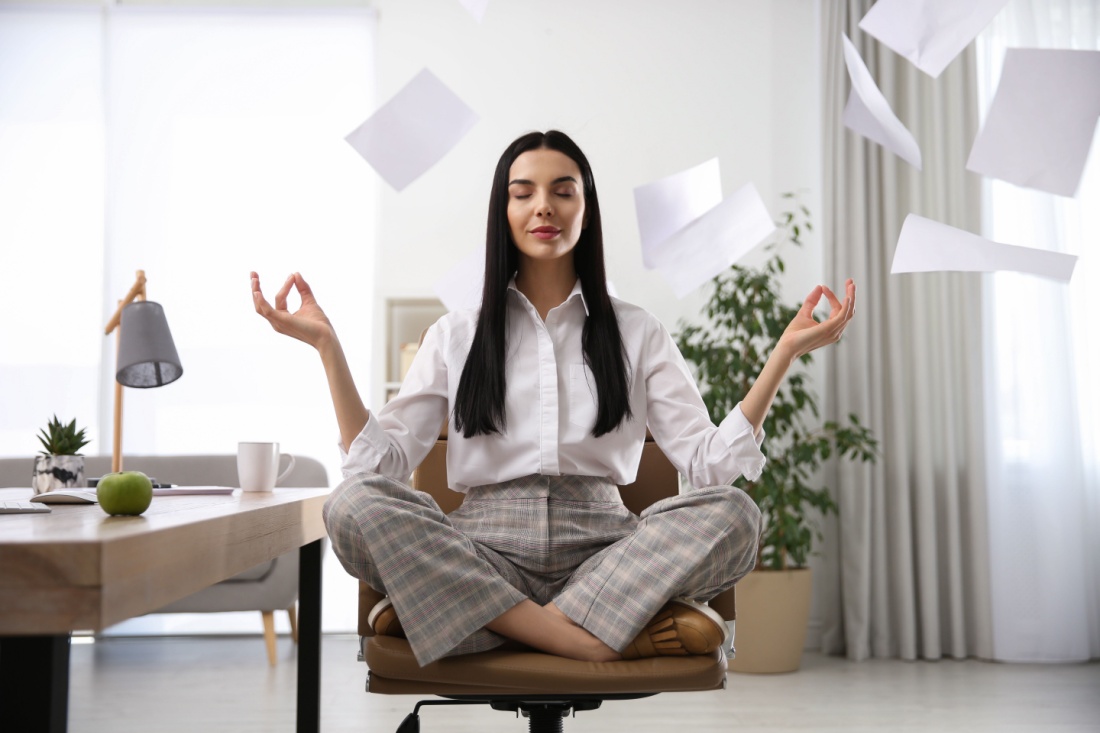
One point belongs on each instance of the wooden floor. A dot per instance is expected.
(215, 685)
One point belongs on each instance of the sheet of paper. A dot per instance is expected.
(476, 8)
(460, 287)
(929, 246)
(666, 206)
(413, 130)
(869, 114)
(714, 241)
(1042, 120)
(930, 33)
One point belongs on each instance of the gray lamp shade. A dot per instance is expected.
(146, 353)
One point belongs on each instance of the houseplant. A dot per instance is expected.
(59, 465)
(744, 318)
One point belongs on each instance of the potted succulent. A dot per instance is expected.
(59, 465)
(744, 318)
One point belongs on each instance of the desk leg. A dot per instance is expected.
(309, 638)
(34, 682)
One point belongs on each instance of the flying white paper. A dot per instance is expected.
(929, 246)
(930, 33)
(460, 287)
(689, 234)
(869, 114)
(715, 241)
(413, 131)
(666, 206)
(1042, 120)
(476, 8)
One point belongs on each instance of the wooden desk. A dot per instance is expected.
(79, 569)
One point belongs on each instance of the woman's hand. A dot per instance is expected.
(804, 334)
(309, 323)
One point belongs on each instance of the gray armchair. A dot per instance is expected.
(268, 587)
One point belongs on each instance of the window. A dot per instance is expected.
(196, 144)
(1044, 401)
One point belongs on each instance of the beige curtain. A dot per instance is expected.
(905, 565)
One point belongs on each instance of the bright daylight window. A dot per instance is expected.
(1043, 356)
(196, 144)
(1043, 333)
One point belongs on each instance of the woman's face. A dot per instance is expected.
(545, 204)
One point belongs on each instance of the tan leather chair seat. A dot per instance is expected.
(514, 671)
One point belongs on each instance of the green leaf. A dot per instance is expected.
(58, 439)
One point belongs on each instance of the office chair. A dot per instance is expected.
(542, 687)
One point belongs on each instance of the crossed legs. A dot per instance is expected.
(454, 595)
(549, 630)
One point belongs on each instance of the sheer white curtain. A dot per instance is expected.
(1043, 396)
(196, 144)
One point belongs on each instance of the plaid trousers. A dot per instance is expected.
(566, 539)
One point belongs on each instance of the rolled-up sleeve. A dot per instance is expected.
(398, 437)
(363, 455)
(744, 445)
(707, 454)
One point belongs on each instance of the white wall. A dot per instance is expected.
(647, 89)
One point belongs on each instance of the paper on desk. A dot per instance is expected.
(666, 206)
(186, 490)
(689, 233)
(930, 33)
(460, 287)
(869, 114)
(413, 131)
(476, 8)
(1042, 120)
(929, 246)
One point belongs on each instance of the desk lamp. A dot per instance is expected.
(146, 353)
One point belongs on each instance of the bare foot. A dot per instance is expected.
(598, 651)
(547, 629)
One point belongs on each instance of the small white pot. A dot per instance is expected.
(58, 472)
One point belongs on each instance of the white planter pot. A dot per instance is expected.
(773, 612)
(58, 472)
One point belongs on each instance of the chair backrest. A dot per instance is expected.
(657, 479)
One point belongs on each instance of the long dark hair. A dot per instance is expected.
(479, 403)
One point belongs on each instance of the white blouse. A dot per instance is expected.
(550, 407)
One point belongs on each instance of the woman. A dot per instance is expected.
(547, 391)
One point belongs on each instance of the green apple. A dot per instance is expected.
(125, 492)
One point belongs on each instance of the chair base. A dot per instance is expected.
(544, 713)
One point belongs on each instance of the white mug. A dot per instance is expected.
(258, 466)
